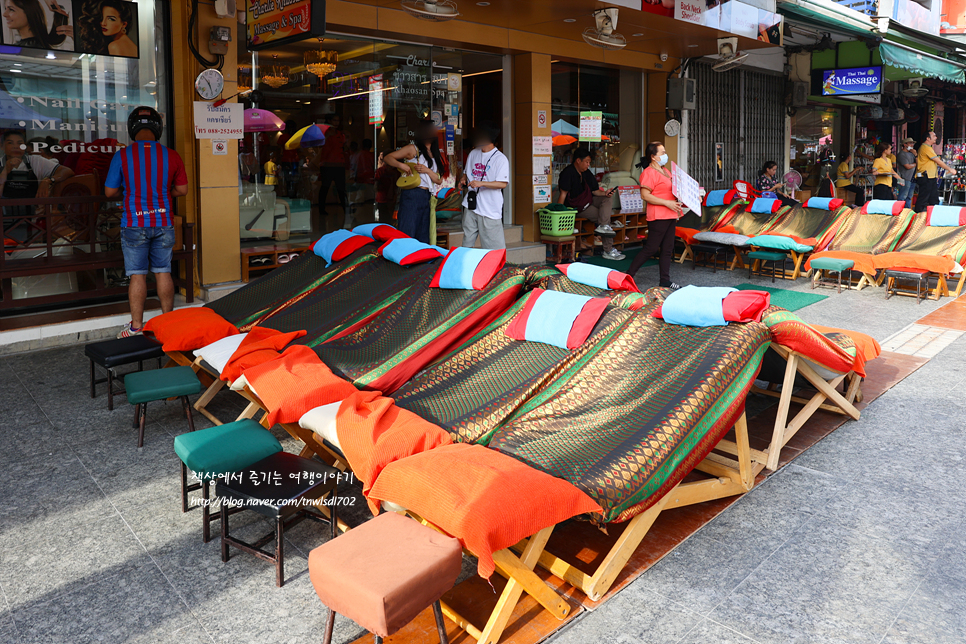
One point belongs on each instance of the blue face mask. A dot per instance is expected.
(662, 159)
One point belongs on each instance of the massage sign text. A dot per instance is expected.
(275, 21)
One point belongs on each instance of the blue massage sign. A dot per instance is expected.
(856, 80)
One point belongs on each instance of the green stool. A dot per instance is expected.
(160, 384)
(824, 265)
(765, 256)
(217, 452)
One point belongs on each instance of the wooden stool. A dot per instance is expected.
(824, 265)
(562, 248)
(762, 257)
(384, 573)
(111, 354)
(160, 384)
(283, 488)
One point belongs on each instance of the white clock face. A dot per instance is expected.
(209, 84)
(672, 127)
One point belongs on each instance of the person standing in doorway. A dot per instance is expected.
(906, 165)
(487, 174)
(414, 204)
(579, 190)
(843, 180)
(927, 165)
(663, 212)
(149, 175)
(385, 189)
(332, 160)
(884, 173)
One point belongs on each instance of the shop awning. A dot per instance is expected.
(921, 63)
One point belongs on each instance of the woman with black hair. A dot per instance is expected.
(662, 211)
(414, 204)
(884, 173)
(768, 183)
(105, 28)
(28, 20)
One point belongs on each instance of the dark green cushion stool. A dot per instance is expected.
(214, 452)
(143, 387)
(765, 256)
(823, 265)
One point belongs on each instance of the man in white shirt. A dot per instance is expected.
(487, 172)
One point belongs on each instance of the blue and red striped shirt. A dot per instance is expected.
(146, 170)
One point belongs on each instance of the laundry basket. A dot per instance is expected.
(557, 220)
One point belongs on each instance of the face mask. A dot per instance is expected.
(662, 160)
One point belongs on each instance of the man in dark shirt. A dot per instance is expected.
(579, 190)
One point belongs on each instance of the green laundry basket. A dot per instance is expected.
(557, 220)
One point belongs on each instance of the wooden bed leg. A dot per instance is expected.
(202, 403)
(799, 258)
(745, 468)
(249, 411)
(781, 420)
(854, 391)
(959, 285)
(514, 589)
(686, 253)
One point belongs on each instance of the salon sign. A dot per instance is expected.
(223, 122)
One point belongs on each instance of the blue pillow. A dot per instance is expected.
(880, 207)
(589, 274)
(366, 229)
(400, 251)
(945, 216)
(337, 245)
(779, 242)
(819, 203)
(716, 198)
(763, 206)
(696, 306)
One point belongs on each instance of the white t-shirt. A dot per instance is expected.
(488, 166)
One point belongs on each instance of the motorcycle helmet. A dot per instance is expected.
(145, 117)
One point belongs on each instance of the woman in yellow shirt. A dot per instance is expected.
(843, 180)
(884, 173)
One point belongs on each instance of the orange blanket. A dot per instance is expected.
(374, 432)
(866, 347)
(864, 263)
(259, 346)
(687, 234)
(295, 383)
(932, 263)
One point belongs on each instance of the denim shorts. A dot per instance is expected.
(147, 248)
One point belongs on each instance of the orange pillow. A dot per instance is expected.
(189, 329)
(374, 432)
(729, 229)
(487, 500)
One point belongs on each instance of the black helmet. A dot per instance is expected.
(145, 117)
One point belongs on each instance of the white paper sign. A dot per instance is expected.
(631, 201)
(591, 126)
(541, 179)
(685, 188)
(219, 147)
(224, 122)
(450, 147)
(541, 118)
(541, 194)
(543, 145)
(541, 165)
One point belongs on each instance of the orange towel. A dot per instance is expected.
(295, 383)
(374, 432)
(932, 263)
(260, 345)
(866, 347)
(864, 263)
(687, 234)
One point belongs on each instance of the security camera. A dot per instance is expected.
(663, 57)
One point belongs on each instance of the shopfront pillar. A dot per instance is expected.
(531, 100)
(656, 99)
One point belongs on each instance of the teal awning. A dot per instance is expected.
(921, 64)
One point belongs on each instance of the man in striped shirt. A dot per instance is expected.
(149, 175)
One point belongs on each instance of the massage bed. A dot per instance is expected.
(736, 227)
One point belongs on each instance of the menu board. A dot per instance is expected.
(272, 22)
(685, 188)
(591, 125)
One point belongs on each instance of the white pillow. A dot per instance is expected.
(321, 420)
(240, 383)
(217, 353)
(728, 239)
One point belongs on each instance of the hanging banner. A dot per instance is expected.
(275, 22)
(376, 108)
(591, 124)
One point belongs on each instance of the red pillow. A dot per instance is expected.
(739, 306)
(583, 311)
(487, 500)
(380, 232)
(451, 275)
(189, 329)
(775, 206)
(406, 251)
(897, 207)
(616, 281)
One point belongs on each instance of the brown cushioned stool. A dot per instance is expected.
(384, 573)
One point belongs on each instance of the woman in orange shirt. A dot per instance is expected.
(663, 211)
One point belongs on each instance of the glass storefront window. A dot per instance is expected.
(815, 136)
(373, 99)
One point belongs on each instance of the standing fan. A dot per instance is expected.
(792, 181)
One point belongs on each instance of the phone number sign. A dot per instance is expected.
(224, 122)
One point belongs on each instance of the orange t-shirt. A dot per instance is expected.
(660, 186)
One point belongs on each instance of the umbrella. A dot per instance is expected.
(308, 137)
(262, 121)
(563, 139)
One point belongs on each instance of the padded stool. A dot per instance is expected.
(763, 257)
(160, 384)
(384, 573)
(281, 487)
(562, 248)
(707, 248)
(824, 265)
(110, 354)
(216, 452)
(918, 275)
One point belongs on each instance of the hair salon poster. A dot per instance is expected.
(99, 27)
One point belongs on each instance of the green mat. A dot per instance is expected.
(790, 300)
(622, 265)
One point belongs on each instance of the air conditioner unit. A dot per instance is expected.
(799, 94)
(681, 94)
